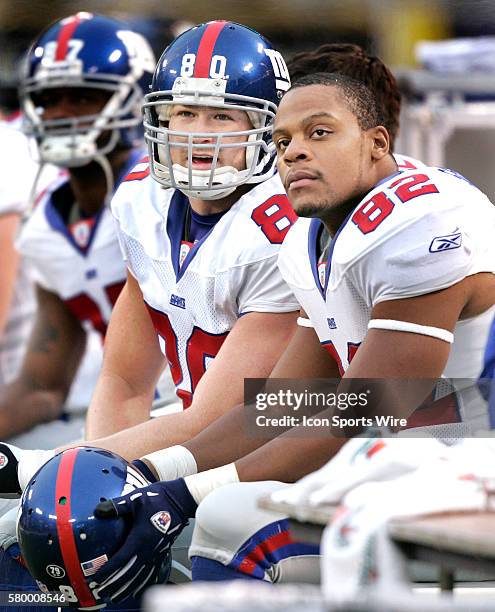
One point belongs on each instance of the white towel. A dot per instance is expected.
(453, 481)
(358, 461)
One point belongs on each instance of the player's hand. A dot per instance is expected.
(158, 513)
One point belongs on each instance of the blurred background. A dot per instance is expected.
(388, 28)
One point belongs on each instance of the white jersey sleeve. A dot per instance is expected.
(263, 289)
(415, 235)
(18, 171)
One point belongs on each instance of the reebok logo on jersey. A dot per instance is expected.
(331, 323)
(446, 243)
(178, 301)
(161, 521)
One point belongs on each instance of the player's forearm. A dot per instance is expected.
(224, 441)
(287, 458)
(154, 434)
(116, 406)
(22, 407)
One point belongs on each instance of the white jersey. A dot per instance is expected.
(415, 233)
(304, 270)
(18, 175)
(230, 272)
(80, 263)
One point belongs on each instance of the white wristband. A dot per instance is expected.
(30, 462)
(414, 328)
(202, 484)
(304, 322)
(171, 463)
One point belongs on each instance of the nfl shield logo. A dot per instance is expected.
(161, 521)
(3, 460)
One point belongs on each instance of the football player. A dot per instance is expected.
(200, 228)
(203, 282)
(334, 158)
(84, 83)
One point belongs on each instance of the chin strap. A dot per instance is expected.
(107, 171)
(104, 164)
(32, 194)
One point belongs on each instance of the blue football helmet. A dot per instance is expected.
(223, 65)
(90, 51)
(62, 543)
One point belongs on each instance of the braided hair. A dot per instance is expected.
(353, 61)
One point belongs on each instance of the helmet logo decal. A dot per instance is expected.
(141, 58)
(55, 571)
(161, 521)
(205, 49)
(3, 460)
(280, 69)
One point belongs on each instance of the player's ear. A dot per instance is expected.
(380, 142)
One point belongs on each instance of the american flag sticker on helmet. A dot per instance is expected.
(93, 565)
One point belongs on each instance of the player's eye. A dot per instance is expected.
(183, 113)
(321, 132)
(223, 117)
(281, 144)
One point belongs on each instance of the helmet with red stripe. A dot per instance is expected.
(62, 543)
(223, 65)
(88, 51)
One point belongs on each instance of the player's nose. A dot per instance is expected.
(203, 126)
(296, 150)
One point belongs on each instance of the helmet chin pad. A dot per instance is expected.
(201, 184)
(67, 151)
